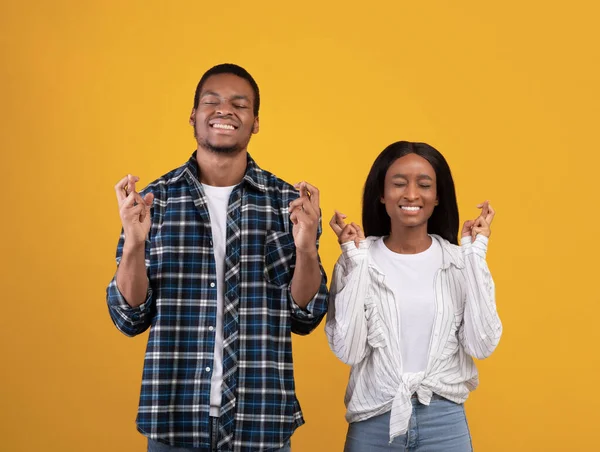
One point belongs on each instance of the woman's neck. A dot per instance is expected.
(408, 240)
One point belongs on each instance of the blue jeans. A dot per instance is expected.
(439, 427)
(155, 446)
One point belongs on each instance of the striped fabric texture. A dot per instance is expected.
(363, 331)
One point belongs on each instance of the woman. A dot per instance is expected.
(409, 308)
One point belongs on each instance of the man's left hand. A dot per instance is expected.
(304, 214)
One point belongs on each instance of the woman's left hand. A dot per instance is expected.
(481, 225)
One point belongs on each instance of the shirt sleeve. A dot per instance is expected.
(348, 323)
(481, 329)
(308, 311)
(306, 320)
(130, 321)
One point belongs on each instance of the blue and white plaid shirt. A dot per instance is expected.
(260, 410)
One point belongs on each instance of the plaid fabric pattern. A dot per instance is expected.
(259, 408)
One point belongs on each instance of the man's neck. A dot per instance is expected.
(221, 170)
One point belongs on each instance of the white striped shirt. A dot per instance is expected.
(363, 331)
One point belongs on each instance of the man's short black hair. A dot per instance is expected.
(228, 68)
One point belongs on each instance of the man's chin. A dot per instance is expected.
(224, 149)
(220, 149)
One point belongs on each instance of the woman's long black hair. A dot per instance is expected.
(443, 221)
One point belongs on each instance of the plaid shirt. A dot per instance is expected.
(181, 310)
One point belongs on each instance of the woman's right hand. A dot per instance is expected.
(346, 232)
(480, 225)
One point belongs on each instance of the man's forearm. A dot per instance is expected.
(307, 277)
(132, 280)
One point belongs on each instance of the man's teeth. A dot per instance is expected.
(411, 208)
(223, 126)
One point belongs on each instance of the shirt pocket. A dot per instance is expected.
(375, 328)
(279, 258)
(451, 347)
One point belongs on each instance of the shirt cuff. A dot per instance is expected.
(297, 311)
(353, 255)
(117, 300)
(479, 246)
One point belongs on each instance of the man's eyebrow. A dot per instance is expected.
(240, 97)
(236, 97)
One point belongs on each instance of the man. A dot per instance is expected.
(219, 258)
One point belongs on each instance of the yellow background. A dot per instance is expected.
(90, 91)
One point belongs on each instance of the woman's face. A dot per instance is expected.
(410, 191)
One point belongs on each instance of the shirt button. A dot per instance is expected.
(207, 369)
(211, 244)
(212, 284)
(210, 328)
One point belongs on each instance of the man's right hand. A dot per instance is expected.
(134, 211)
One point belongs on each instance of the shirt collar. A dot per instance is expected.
(451, 254)
(254, 175)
